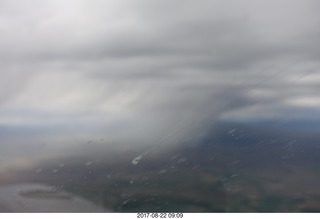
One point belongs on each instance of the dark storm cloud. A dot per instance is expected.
(129, 70)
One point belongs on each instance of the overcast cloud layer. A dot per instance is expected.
(130, 71)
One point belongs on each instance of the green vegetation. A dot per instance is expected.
(167, 185)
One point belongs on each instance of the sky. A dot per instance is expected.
(139, 72)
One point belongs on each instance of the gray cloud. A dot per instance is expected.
(132, 70)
